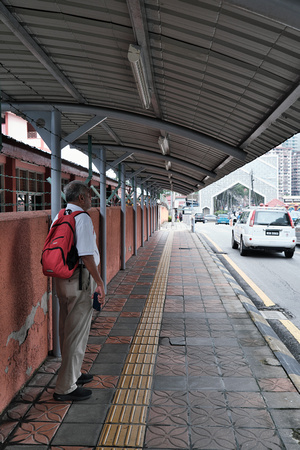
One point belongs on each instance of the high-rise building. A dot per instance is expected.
(288, 154)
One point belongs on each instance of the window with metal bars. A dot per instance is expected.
(30, 190)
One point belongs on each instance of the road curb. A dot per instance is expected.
(284, 356)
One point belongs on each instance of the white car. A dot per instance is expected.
(264, 228)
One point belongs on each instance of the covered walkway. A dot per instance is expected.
(180, 361)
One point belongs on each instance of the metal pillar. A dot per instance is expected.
(134, 215)
(172, 209)
(156, 213)
(123, 219)
(150, 192)
(102, 170)
(147, 210)
(55, 207)
(143, 215)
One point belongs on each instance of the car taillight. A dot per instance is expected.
(251, 223)
(291, 220)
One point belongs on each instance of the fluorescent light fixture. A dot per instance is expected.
(168, 165)
(136, 61)
(163, 142)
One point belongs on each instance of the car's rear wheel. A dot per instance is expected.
(234, 244)
(289, 253)
(243, 251)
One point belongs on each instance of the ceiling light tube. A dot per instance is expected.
(138, 69)
(164, 145)
(168, 165)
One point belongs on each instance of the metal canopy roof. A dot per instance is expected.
(222, 78)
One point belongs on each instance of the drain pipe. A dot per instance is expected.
(103, 215)
(134, 216)
(123, 218)
(55, 207)
(90, 160)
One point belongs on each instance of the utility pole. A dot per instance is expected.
(251, 187)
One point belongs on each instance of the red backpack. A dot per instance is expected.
(59, 255)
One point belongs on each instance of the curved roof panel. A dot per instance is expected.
(220, 79)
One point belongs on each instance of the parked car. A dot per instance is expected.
(264, 228)
(223, 218)
(210, 218)
(295, 215)
(297, 230)
(199, 217)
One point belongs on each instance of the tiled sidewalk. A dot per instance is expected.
(177, 364)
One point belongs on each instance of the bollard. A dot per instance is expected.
(193, 224)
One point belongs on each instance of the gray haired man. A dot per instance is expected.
(75, 299)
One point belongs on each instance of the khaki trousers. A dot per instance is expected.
(74, 324)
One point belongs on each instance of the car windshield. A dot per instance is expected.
(276, 218)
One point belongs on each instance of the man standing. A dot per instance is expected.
(75, 299)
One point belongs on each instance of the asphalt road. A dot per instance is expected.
(269, 279)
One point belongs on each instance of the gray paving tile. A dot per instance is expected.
(115, 348)
(164, 383)
(77, 434)
(205, 383)
(110, 358)
(81, 412)
(281, 400)
(242, 384)
(106, 369)
(286, 418)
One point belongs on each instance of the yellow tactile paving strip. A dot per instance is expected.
(125, 424)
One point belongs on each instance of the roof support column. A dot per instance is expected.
(172, 210)
(123, 218)
(150, 209)
(134, 216)
(156, 213)
(55, 207)
(147, 210)
(102, 170)
(142, 215)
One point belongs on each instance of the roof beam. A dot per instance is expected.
(175, 187)
(292, 97)
(150, 122)
(130, 175)
(111, 133)
(285, 12)
(12, 23)
(119, 160)
(175, 175)
(85, 128)
(161, 157)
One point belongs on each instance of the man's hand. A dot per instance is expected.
(101, 294)
(89, 263)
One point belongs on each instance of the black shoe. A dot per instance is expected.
(78, 395)
(84, 378)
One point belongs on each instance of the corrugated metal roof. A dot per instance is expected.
(223, 78)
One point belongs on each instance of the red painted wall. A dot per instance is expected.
(25, 300)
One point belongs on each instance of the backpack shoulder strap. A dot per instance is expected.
(61, 213)
(76, 213)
